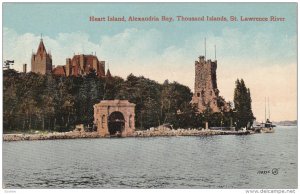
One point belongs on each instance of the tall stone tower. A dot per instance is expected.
(206, 91)
(41, 61)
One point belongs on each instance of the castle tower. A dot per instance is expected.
(108, 74)
(41, 61)
(206, 91)
(25, 68)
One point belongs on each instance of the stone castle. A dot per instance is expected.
(41, 62)
(206, 93)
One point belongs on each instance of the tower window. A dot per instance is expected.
(202, 93)
(198, 94)
(202, 76)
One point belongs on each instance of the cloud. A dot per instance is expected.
(267, 66)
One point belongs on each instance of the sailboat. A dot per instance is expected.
(267, 126)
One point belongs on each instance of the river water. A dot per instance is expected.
(250, 161)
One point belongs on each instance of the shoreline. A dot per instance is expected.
(146, 133)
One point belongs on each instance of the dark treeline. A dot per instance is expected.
(242, 101)
(46, 102)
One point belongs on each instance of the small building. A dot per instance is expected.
(113, 117)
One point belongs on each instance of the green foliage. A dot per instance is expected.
(46, 102)
(242, 105)
(145, 93)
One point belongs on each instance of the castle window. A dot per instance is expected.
(198, 94)
(211, 93)
(201, 76)
(130, 121)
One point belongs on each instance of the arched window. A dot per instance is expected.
(130, 121)
(202, 93)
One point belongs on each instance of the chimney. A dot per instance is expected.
(24, 68)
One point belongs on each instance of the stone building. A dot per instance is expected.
(114, 117)
(59, 71)
(41, 61)
(79, 65)
(206, 93)
(84, 64)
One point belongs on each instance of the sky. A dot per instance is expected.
(264, 54)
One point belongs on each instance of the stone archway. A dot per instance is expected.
(112, 116)
(116, 123)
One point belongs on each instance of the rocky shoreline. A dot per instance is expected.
(153, 132)
(186, 132)
(49, 136)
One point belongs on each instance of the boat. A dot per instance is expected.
(267, 126)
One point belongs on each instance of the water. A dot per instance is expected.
(160, 162)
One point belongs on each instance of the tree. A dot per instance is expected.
(175, 98)
(34, 101)
(145, 93)
(242, 105)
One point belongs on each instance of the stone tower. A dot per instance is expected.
(41, 61)
(206, 91)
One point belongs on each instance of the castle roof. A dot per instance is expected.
(41, 49)
(59, 71)
(108, 74)
(87, 59)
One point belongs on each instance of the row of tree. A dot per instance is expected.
(47, 102)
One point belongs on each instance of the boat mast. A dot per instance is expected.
(265, 109)
(269, 108)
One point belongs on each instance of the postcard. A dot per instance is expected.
(150, 95)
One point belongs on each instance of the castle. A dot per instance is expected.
(41, 61)
(79, 65)
(206, 93)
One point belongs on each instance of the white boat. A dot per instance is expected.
(267, 126)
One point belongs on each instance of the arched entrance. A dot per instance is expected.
(114, 117)
(116, 123)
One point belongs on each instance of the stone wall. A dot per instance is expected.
(206, 91)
